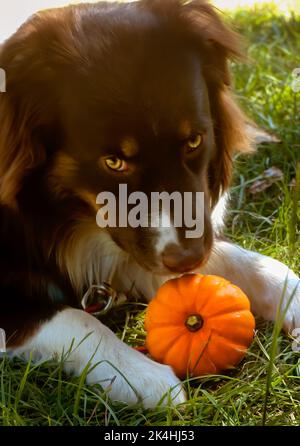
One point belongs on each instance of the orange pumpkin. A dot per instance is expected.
(199, 325)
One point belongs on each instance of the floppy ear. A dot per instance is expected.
(18, 154)
(198, 23)
(217, 45)
(19, 117)
(230, 137)
(26, 108)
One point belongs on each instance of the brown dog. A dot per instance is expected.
(100, 95)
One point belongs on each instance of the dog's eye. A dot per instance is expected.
(117, 164)
(194, 143)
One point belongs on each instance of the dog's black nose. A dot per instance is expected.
(180, 260)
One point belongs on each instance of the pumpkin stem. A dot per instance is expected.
(194, 322)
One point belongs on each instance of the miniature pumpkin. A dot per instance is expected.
(199, 325)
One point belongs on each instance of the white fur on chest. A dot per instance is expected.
(94, 258)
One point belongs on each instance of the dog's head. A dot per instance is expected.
(137, 94)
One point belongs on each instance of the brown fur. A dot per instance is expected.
(80, 83)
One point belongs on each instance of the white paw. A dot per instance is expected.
(292, 317)
(126, 374)
(141, 380)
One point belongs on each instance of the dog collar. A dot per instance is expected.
(99, 299)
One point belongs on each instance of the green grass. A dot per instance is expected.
(267, 222)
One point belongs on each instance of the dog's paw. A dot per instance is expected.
(144, 381)
(158, 384)
(292, 302)
(87, 346)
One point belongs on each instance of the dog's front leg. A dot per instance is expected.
(128, 375)
(262, 278)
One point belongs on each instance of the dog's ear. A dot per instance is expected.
(230, 137)
(18, 153)
(198, 21)
(217, 45)
(19, 117)
(26, 113)
(199, 24)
